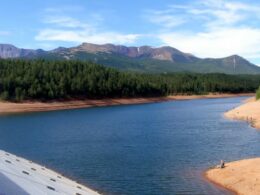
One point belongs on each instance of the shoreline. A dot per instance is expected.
(218, 185)
(36, 106)
(249, 111)
(239, 177)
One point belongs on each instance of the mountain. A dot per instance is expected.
(141, 59)
(162, 53)
(10, 51)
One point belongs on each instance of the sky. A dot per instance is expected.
(205, 28)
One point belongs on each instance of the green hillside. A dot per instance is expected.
(144, 64)
(49, 79)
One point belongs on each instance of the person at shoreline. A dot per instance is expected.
(222, 164)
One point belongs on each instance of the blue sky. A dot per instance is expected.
(206, 28)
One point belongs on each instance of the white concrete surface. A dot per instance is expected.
(23, 177)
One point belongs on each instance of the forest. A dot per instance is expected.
(53, 79)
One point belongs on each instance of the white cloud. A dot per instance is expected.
(85, 36)
(62, 9)
(68, 29)
(220, 13)
(219, 43)
(65, 21)
(165, 18)
(217, 12)
(211, 28)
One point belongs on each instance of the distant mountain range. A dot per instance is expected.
(141, 59)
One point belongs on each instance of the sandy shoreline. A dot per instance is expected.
(30, 106)
(241, 177)
(249, 112)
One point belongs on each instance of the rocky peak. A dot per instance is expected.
(160, 53)
(9, 51)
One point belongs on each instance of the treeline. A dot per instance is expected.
(47, 80)
(258, 94)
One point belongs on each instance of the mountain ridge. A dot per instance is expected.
(144, 58)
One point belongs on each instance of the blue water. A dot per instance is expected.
(160, 148)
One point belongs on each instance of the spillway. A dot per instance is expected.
(23, 177)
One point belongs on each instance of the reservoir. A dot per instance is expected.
(158, 148)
